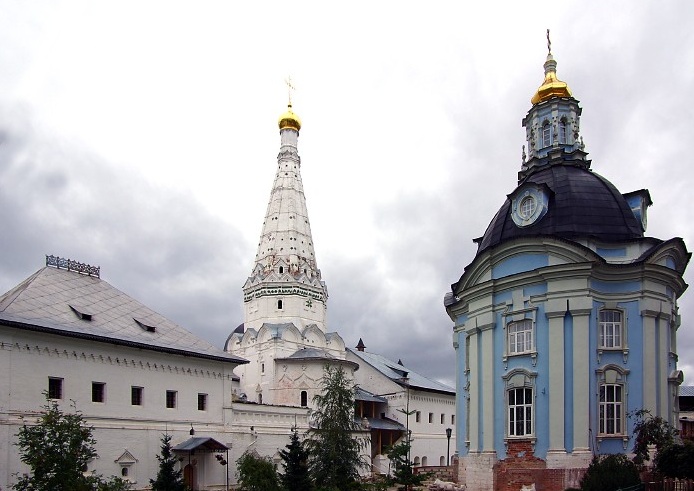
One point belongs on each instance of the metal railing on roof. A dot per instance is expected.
(70, 265)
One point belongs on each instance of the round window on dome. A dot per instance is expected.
(527, 207)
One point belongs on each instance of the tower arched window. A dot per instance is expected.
(546, 135)
(279, 304)
(281, 269)
(562, 131)
(304, 398)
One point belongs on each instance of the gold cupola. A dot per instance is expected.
(551, 87)
(289, 120)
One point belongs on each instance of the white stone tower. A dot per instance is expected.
(285, 285)
(284, 334)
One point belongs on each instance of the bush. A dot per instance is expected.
(609, 473)
(257, 473)
(676, 460)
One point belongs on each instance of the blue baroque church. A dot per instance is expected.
(566, 319)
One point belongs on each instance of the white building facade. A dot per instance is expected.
(133, 374)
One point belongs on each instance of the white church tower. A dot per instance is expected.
(284, 335)
(285, 284)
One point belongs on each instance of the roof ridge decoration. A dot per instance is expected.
(70, 265)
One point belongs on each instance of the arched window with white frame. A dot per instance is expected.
(612, 401)
(520, 403)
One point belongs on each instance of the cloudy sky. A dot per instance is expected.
(142, 137)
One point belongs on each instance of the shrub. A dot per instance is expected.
(609, 473)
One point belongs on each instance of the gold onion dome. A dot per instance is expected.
(552, 87)
(289, 120)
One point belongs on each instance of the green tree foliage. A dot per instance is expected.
(676, 460)
(403, 473)
(335, 454)
(650, 430)
(295, 462)
(610, 473)
(257, 473)
(58, 449)
(168, 477)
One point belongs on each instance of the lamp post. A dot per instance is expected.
(448, 452)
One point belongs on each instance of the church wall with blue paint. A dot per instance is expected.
(566, 319)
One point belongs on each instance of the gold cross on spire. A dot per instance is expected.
(290, 87)
(549, 44)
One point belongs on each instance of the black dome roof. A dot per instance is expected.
(581, 204)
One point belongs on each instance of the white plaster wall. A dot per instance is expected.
(28, 359)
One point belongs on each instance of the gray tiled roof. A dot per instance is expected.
(57, 301)
(396, 372)
(687, 390)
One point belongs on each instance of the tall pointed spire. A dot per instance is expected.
(285, 284)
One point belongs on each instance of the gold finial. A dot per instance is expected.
(551, 87)
(289, 119)
(549, 44)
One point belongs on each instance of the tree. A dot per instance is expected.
(650, 430)
(335, 454)
(609, 473)
(168, 477)
(295, 461)
(257, 473)
(676, 460)
(403, 473)
(58, 449)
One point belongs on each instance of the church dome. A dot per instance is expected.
(551, 87)
(289, 120)
(565, 201)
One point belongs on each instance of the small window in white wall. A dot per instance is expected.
(304, 398)
(55, 388)
(417, 416)
(98, 392)
(202, 402)
(416, 462)
(171, 396)
(260, 398)
(443, 418)
(424, 461)
(281, 269)
(452, 419)
(442, 461)
(262, 368)
(431, 418)
(279, 304)
(136, 394)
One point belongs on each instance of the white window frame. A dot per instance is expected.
(520, 381)
(608, 340)
(520, 412)
(611, 409)
(526, 336)
(562, 131)
(610, 378)
(546, 134)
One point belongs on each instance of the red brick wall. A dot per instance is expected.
(521, 467)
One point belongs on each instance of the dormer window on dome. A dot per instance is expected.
(529, 204)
